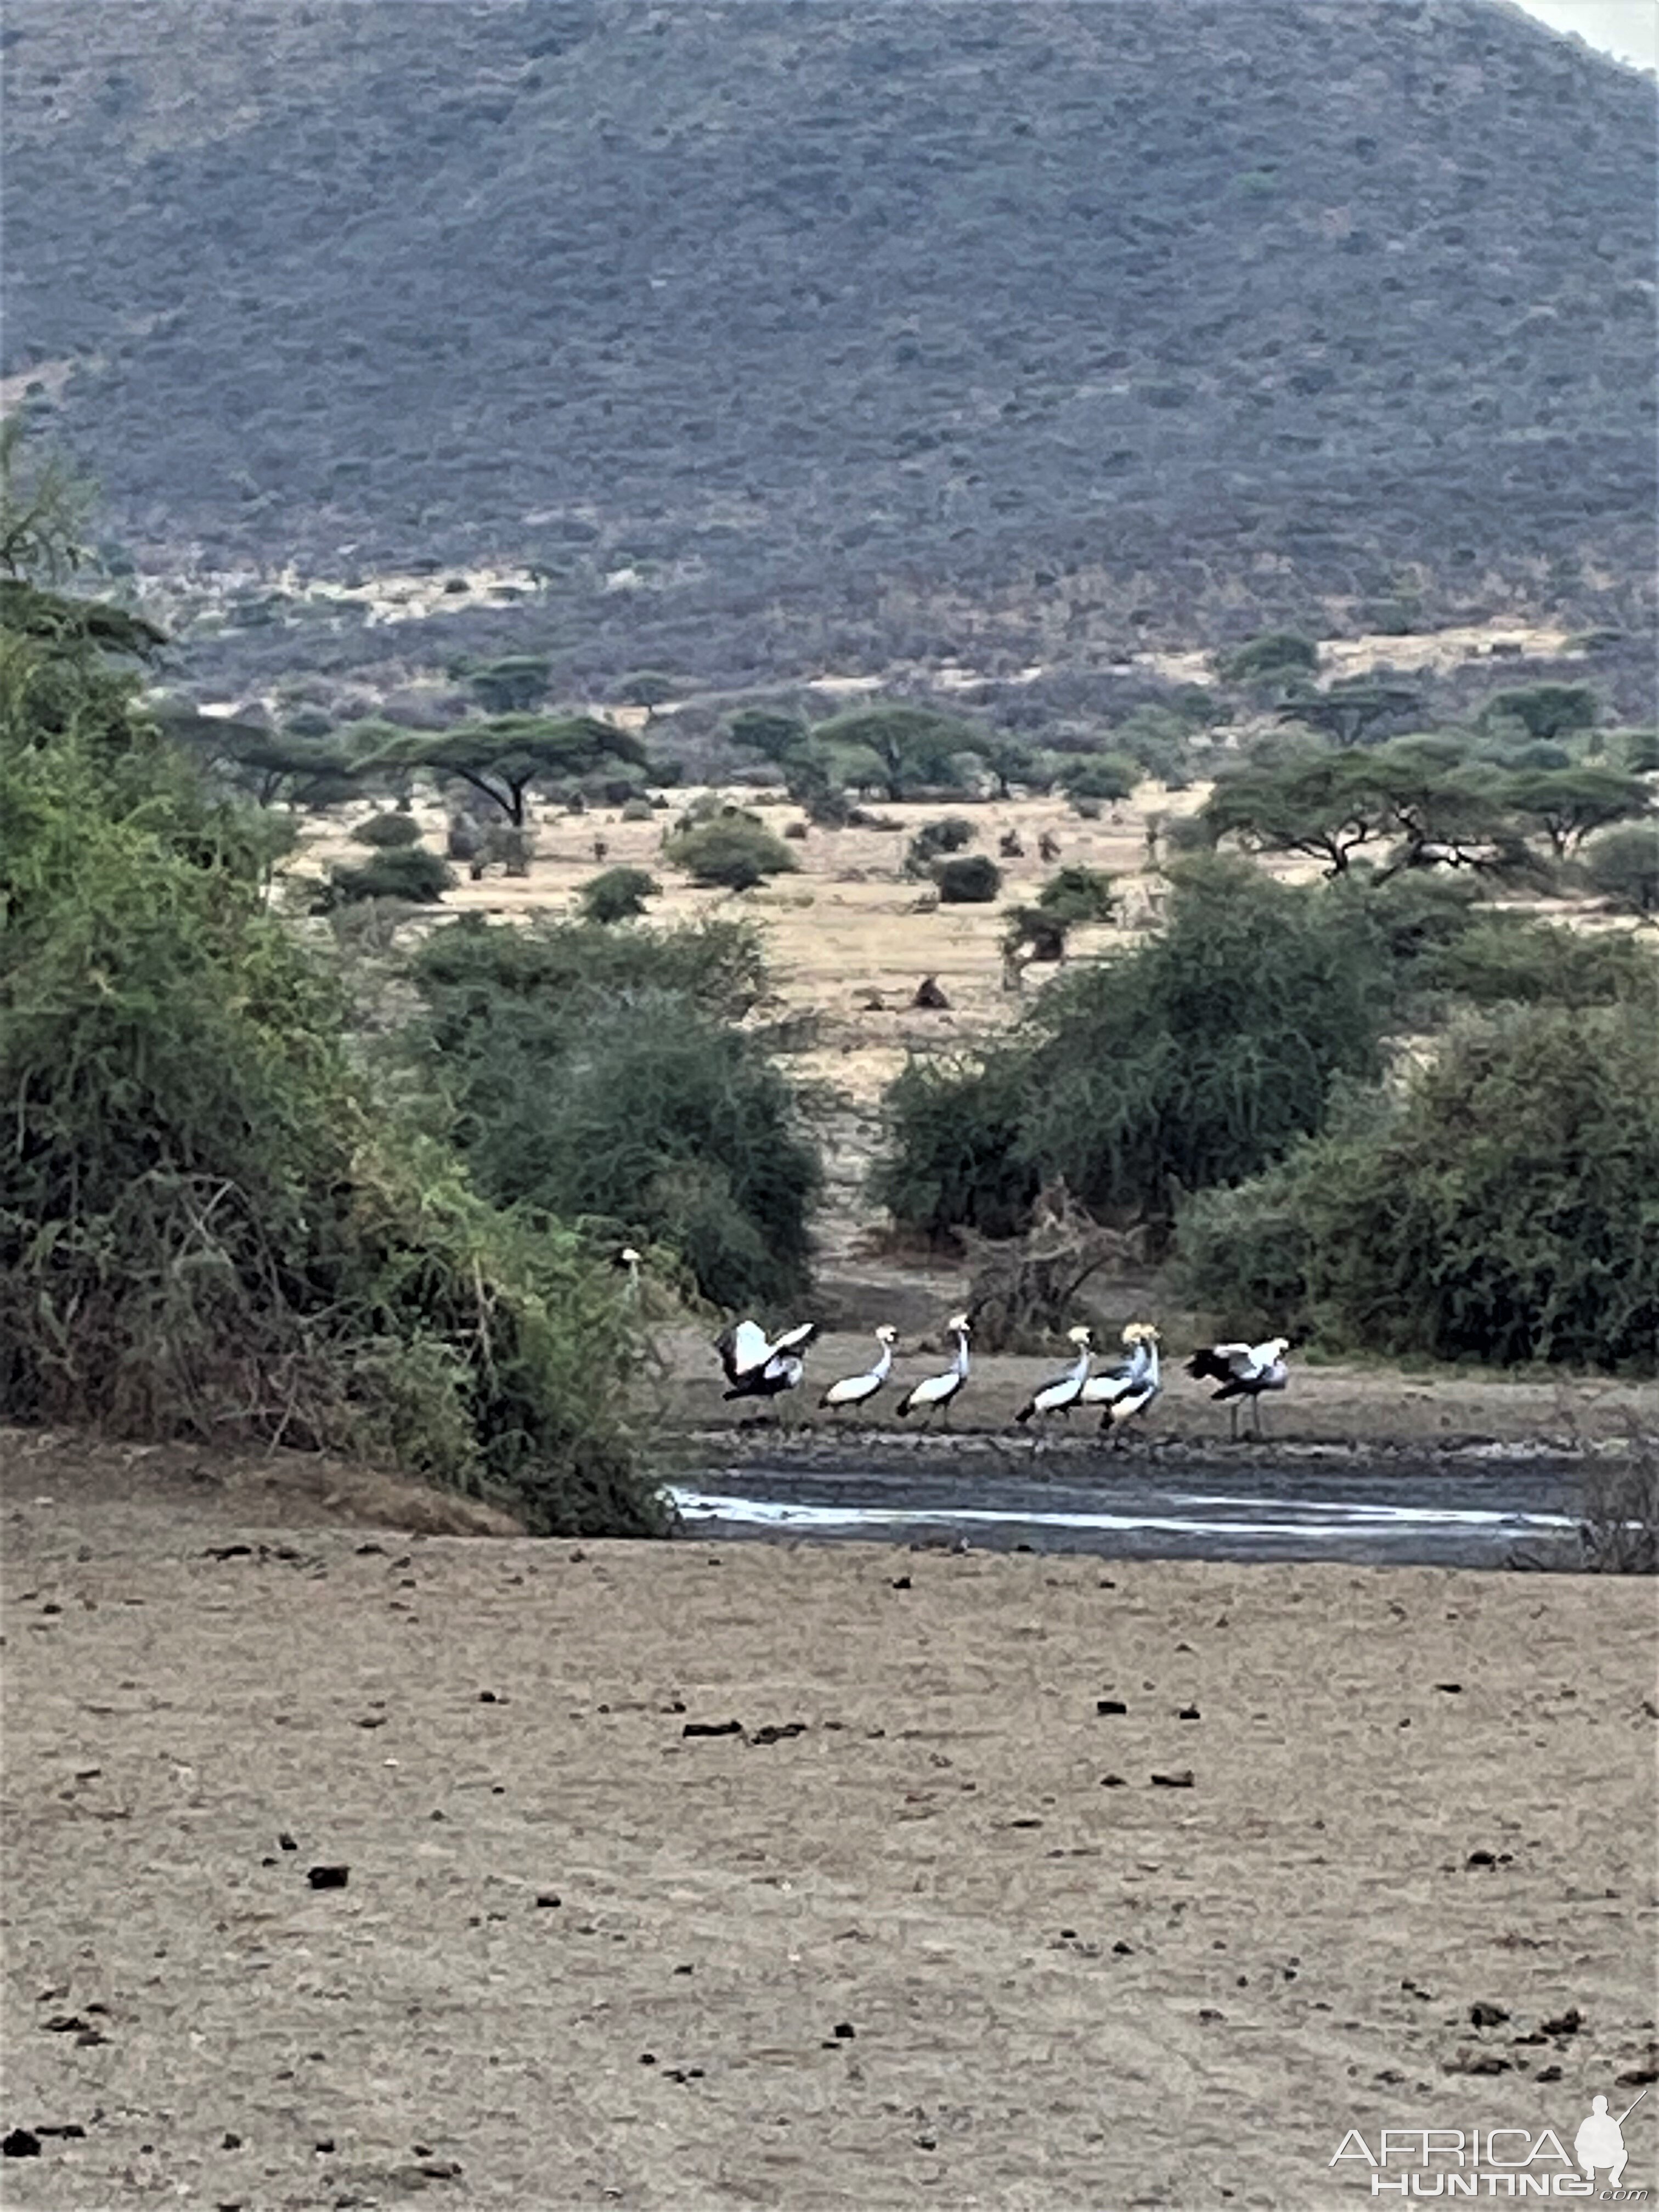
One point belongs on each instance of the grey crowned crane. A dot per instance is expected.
(1131, 1387)
(859, 1389)
(934, 1393)
(758, 1366)
(1243, 1371)
(628, 1259)
(1060, 1395)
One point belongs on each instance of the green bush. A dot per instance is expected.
(387, 832)
(1506, 1208)
(1076, 896)
(1105, 776)
(208, 1226)
(594, 1074)
(1622, 867)
(975, 881)
(1192, 1059)
(935, 839)
(618, 894)
(735, 852)
(407, 872)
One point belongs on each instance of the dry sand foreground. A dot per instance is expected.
(917, 1953)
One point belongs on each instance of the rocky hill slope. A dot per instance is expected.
(852, 325)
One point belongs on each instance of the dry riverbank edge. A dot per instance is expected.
(957, 1930)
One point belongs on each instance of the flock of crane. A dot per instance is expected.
(759, 1366)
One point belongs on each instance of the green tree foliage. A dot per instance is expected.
(973, 881)
(271, 767)
(1193, 1059)
(1109, 777)
(1502, 957)
(1545, 710)
(1078, 896)
(1348, 710)
(1622, 867)
(387, 832)
(409, 872)
(734, 851)
(207, 1225)
(934, 840)
(1326, 804)
(911, 746)
(768, 730)
(1506, 1208)
(1276, 653)
(503, 757)
(513, 685)
(618, 894)
(595, 1074)
(1568, 803)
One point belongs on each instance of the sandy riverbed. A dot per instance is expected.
(1063, 1991)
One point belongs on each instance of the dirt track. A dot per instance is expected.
(1060, 1993)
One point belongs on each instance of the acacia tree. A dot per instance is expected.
(912, 745)
(1568, 803)
(1347, 711)
(271, 766)
(1546, 710)
(1325, 805)
(502, 758)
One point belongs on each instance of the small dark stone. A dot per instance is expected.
(1113, 1782)
(1487, 2015)
(328, 1877)
(1030, 1823)
(779, 1732)
(648, 2058)
(685, 1970)
(488, 1697)
(1182, 1781)
(1479, 1859)
(1451, 1689)
(1188, 1713)
(228, 2142)
(1110, 1706)
(712, 1728)
(1569, 2024)
(21, 2142)
(843, 2030)
(323, 2145)
(285, 1842)
(547, 1899)
(901, 1582)
(1547, 2074)
(1123, 1950)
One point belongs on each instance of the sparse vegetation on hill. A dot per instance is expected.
(775, 338)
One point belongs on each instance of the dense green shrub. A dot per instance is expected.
(1191, 1060)
(406, 871)
(732, 850)
(1106, 776)
(1622, 867)
(387, 831)
(207, 1225)
(1505, 1208)
(935, 839)
(594, 1074)
(618, 894)
(1075, 896)
(973, 881)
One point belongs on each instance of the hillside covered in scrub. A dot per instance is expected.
(770, 334)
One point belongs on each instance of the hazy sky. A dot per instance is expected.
(1629, 29)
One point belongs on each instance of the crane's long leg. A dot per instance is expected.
(1232, 1412)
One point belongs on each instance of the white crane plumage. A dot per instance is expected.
(1060, 1395)
(1129, 1388)
(1243, 1371)
(934, 1393)
(858, 1389)
(758, 1366)
(629, 1259)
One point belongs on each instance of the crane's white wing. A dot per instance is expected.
(743, 1350)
